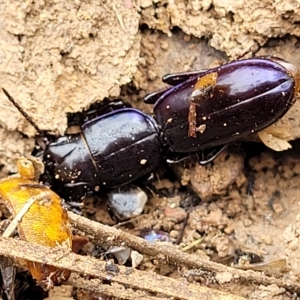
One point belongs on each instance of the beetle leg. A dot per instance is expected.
(77, 190)
(177, 78)
(151, 98)
(104, 108)
(172, 79)
(178, 158)
(215, 152)
(95, 110)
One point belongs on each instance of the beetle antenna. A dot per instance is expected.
(20, 109)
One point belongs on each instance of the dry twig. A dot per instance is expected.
(89, 266)
(171, 254)
(18, 218)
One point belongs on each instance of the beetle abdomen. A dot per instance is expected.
(247, 96)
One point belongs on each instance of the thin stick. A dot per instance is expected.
(119, 18)
(114, 290)
(167, 252)
(192, 245)
(148, 282)
(18, 218)
(20, 109)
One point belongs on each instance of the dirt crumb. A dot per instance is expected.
(269, 292)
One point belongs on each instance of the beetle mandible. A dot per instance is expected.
(203, 109)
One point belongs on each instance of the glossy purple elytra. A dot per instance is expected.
(247, 96)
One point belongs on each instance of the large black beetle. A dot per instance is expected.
(203, 109)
